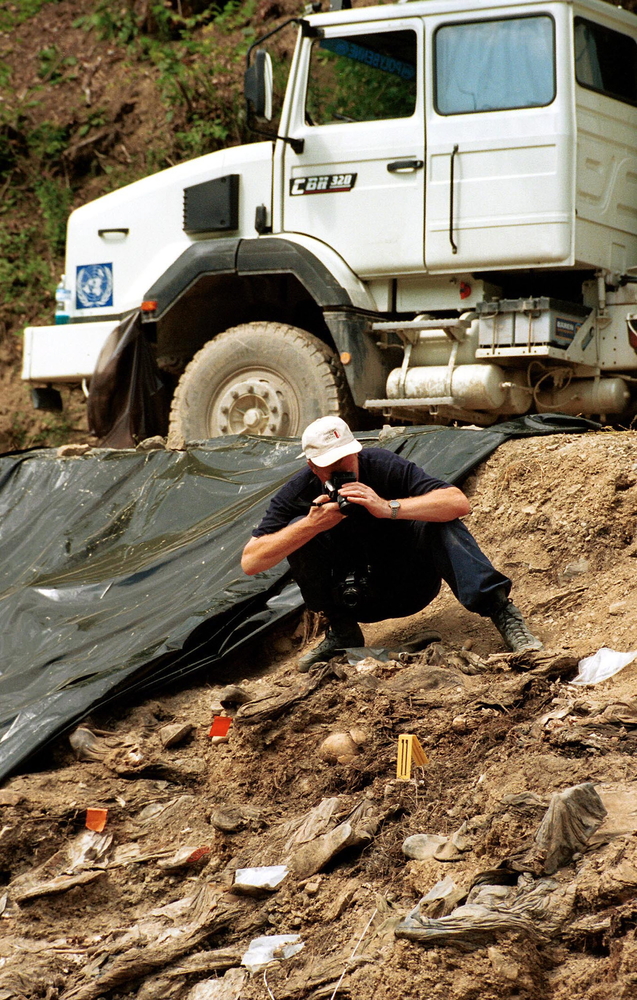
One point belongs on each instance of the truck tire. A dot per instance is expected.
(258, 378)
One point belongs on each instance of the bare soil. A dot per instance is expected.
(557, 514)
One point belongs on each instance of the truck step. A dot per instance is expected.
(383, 404)
(454, 328)
(423, 324)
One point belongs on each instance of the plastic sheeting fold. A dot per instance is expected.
(121, 570)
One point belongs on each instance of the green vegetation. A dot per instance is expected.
(22, 273)
(52, 65)
(95, 94)
(194, 64)
(193, 52)
(16, 12)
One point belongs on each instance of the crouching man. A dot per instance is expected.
(369, 536)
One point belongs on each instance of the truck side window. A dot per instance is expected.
(358, 78)
(494, 65)
(606, 61)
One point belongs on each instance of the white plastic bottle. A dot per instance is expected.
(62, 302)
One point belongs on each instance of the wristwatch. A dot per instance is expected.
(395, 507)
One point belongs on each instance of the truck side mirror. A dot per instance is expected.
(258, 85)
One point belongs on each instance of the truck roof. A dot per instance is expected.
(431, 8)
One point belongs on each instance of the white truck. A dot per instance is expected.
(441, 226)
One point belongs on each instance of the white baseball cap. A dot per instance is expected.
(327, 440)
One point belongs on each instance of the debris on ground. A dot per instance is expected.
(288, 861)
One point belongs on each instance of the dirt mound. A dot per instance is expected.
(146, 907)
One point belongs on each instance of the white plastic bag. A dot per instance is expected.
(259, 880)
(270, 948)
(602, 665)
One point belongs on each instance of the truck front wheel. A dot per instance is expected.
(258, 378)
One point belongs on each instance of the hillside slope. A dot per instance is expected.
(94, 95)
(146, 909)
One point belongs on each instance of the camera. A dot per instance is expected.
(333, 485)
(353, 590)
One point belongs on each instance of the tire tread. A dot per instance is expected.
(336, 391)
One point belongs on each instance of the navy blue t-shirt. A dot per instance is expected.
(389, 475)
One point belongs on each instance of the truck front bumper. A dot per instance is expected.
(64, 353)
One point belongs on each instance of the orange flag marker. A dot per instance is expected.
(220, 726)
(410, 752)
(96, 819)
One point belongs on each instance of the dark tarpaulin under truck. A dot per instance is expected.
(441, 225)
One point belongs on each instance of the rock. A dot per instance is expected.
(575, 569)
(233, 695)
(338, 748)
(335, 906)
(72, 450)
(423, 845)
(155, 443)
(10, 798)
(618, 608)
(227, 819)
(174, 733)
(229, 987)
(311, 888)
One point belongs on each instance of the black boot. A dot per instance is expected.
(339, 635)
(511, 625)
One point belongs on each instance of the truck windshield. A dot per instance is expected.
(494, 65)
(366, 77)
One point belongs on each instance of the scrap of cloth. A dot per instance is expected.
(120, 570)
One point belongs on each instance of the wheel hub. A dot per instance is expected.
(253, 406)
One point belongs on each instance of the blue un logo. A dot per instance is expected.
(94, 286)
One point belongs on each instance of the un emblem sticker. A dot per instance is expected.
(94, 286)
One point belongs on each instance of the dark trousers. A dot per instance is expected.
(401, 565)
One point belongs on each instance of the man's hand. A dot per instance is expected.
(443, 504)
(365, 496)
(265, 551)
(324, 513)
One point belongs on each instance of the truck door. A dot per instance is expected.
(500, 142)
(358, 185)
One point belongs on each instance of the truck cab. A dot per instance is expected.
(440, 226)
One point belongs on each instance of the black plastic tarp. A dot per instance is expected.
(120, 570)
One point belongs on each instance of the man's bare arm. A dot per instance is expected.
(445, 504)
(265, 551)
